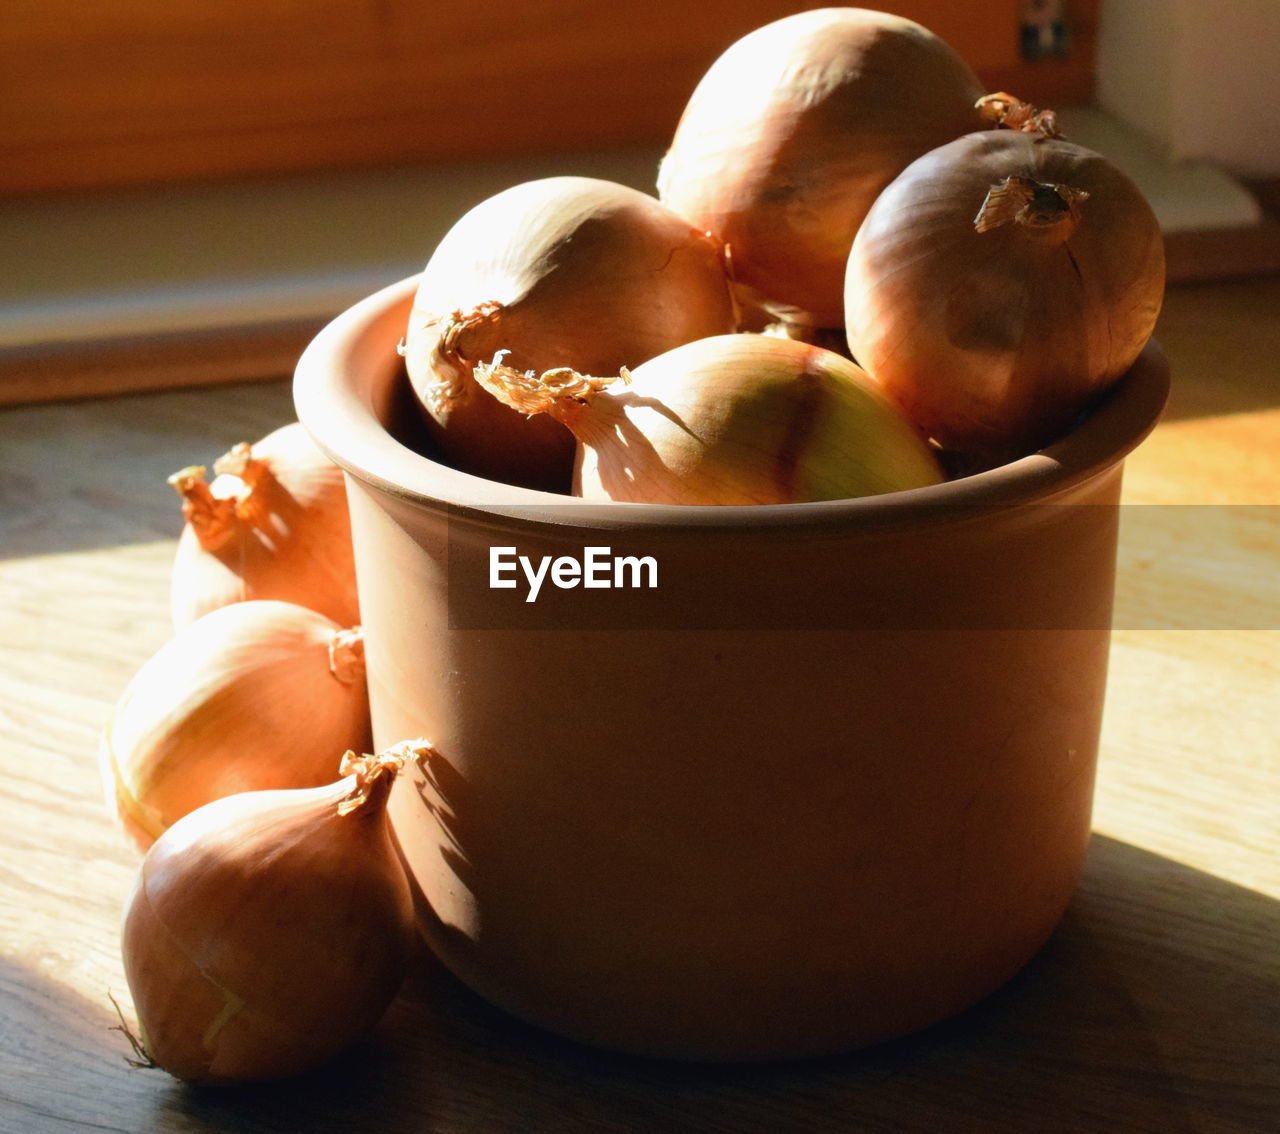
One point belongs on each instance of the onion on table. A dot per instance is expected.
(273, 524)
(561, 272)
(792, 133)
(267, 931)
(731, 419)
(252, 696)
(999, 285)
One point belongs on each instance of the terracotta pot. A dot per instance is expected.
(829, 783)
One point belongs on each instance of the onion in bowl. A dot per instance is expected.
(731, 419)
(793, 132)
(999, 285)
(559, 272)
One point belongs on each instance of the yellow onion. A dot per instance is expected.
(272, 525)
(793, 132)
(268, 931)
(252, 696)
(564, 271)
(1000, 284)
(732, 419)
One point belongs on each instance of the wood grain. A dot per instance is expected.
(148, 91)
(1155, 1008)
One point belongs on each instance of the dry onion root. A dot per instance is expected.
(273, 524)
(999, 285)
(565, 271)
(268, 931)
(252, 696)
(733, 419)
(793, 132)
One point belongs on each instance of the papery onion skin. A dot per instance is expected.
(276, 528)
(793, 132)
(564, 271)
(995, 341)
(743, 419)
(266, 932)
(252, 696)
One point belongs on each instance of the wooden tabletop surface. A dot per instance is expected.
(1156, 1006)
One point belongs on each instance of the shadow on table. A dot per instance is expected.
(1154, 1008)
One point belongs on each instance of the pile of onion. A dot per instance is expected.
(835, 182)
(1000, 284)
(561, 272)
(793, 132)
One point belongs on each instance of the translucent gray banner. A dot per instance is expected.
(1040, 567)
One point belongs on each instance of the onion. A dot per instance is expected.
(565, 271)
(252, 696)
(733, 419)
(268, 931)
(793, 132)
(1001, 283)
(272, 525)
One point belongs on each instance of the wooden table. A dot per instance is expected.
(1156, 1007)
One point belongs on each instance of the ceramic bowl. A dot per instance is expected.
(827, 783)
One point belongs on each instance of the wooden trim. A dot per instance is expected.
(1221, 254)
(152, 92)
(47, 372)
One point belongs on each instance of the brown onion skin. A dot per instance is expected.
(745, 419)
(793, 132)
(272, 908)
(296, 547)
(995, 342)
(254, 696)
(589, 274)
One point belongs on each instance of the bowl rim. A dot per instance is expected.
(345, 370)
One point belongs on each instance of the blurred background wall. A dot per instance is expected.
(1200, 76)
(190, 188)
